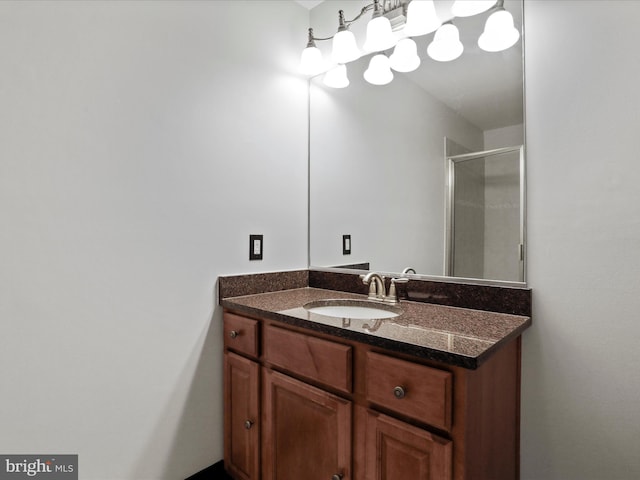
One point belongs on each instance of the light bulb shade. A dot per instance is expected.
(379, 35)
(311, 61)
(405, 56)
(378, 72)
(344, 48)
(467, 8)
(421, 18)
(336, 77)
(499, 32)
(446, 45)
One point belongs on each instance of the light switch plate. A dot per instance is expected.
(255, 247)
(346, 244)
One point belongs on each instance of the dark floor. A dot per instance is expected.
(214, 472)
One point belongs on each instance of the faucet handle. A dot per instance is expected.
(392, 297)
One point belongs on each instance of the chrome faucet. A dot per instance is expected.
(377, 289)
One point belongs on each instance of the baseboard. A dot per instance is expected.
(214, 472)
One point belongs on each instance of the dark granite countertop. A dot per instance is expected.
(456, 336)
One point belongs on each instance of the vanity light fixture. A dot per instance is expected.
(446, 44)
(499, 32)
(392, 23)
(421, 18)
(345, 48)
(405, 56)
(311, 62)
(379, 34)
(379, 71)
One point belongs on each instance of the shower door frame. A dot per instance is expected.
(450, 210)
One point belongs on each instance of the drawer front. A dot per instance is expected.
(327, 362)
(241, 334)
(414, 390)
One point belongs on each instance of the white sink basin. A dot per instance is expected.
(356, 309)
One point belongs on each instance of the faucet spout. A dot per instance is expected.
(377, 289)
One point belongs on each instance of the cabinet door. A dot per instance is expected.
(306, 432)
(395, 450)
(241, 415)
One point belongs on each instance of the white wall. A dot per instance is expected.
(140, 144)
(581, 381)
(510, 136)
(377, 173)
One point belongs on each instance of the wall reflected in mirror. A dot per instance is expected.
(379, 154)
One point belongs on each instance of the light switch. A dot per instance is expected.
(255, 247)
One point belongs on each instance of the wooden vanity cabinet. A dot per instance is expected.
(334, 409)
(242, 412)
(306, 431)
(241, 397)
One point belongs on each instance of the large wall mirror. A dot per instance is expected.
(426, 172)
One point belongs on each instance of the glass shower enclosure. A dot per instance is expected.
(485, 215)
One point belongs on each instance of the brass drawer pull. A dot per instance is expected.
(399, 392)
(234, 333)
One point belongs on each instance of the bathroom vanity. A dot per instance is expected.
(432, 393)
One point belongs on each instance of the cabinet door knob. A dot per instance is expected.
(248, 424)
(399, 392)
(337, 476)
(234, 333)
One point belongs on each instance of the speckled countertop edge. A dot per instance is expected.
(452, 335)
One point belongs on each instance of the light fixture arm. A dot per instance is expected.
(372, 6)
(498, 6)
(311, 41)
(343, 23)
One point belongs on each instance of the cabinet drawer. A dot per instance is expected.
(241, 334)
(314, 358)
(418, 391)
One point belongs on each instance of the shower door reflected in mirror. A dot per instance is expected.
(485, 215)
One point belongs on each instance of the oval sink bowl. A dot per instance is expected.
(360, 309)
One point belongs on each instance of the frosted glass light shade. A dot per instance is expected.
(379, 35)
(421, 18)
(405, 56)
(336, 77)
(344, 48)
(499, 32)
(446, 45)
(311, 61)
(378, 72)
(467, 8)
